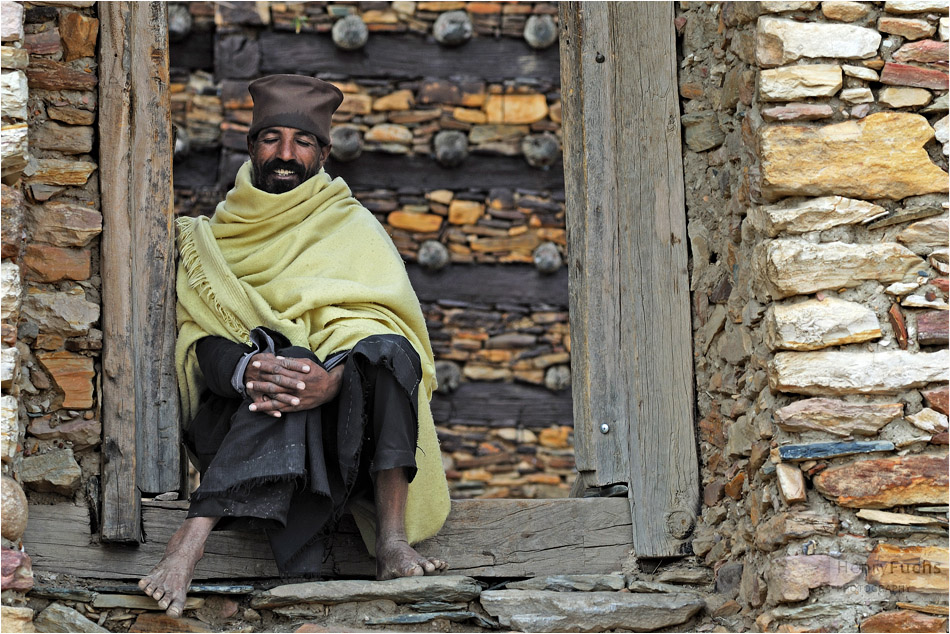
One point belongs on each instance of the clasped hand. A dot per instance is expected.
(280, 384)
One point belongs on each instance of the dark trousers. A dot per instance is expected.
(292, 475)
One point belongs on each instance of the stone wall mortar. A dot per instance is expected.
(51, 225)
(810, 242)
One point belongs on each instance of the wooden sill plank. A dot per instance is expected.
(484, 538)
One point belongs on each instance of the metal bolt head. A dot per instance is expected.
(604, 428)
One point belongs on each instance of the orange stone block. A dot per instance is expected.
(469, 115)
(555, 437)
(909, 568)
(903, 621)
(46, 263)
(886, 482)
(73, 374)
(515, 109)
(483, 7)
(418, 223)
(465, 212)
(356, 104)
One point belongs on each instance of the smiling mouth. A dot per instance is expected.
(280, 172)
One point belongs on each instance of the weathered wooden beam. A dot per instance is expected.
(140, 449)
(503, 404)
(630, 311)
(484, 538)
(490, 284)
(400, 56)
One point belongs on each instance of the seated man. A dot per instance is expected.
(304, 365)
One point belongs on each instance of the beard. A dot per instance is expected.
(266, 177)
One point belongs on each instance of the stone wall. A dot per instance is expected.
(449, 133)
(815, 161)
(51, 224)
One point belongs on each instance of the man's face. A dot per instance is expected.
(283, 158)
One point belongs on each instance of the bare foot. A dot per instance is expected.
(396, 558)
(168, 582)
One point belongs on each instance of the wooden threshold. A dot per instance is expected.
(482, 538)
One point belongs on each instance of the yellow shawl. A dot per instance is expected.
(315, 265)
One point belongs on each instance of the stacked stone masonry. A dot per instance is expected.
(457, 155)
(815, 155)
(816, 186)
(50, 302)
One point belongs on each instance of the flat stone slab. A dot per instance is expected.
(406, 590)
(822, 450)
(886, 482)
(837, 417)
(880, 156)
(814, 214)
(815, 324)
(542, 611)
(835, 372)
(796, 267)
(781, 41)
(572, 583)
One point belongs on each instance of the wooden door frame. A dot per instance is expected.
(139, 395)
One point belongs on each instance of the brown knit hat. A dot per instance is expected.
(294, 101)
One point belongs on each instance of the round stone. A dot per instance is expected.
(541, 150)
(451, 147)
(346, 143)
(557, 378)
(350, 33)
(433, 255)
(540, 31)
(179, 22)
(547, 258)
(448, 374)
(14, 508)
(453, 28)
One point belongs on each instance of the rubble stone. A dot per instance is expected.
(46, 263)
(73, 374)
(901, 7)
(516, 109)
(924, 235)
(907, 28)
(798, 82)
(63, 224)
(9, 427)
(781, 41)
(404, 590)
(837, 417)
(54, 471)
(17, 570)
(11, 23)
(844, 11)
(903, 621)
(886, 482)
(901, 97)
(14, 509)
(791, 483)
(836, 372)
(16, 619)
(930, 421)
(909, 568)
(938, 399)
(917, 76)
(880, 156)
(796, 267)
(14, 93)
(814, 214)
(80, 433)
(814, 324)
(783, 527)
(66, 313)
(79, 34)
(571, 583)
(541, 611)
(59, 618)
(791, 578)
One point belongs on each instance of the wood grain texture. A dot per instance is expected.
(402, 56)
(490, 284)
(630, 316)
(503, 404)
(484, 538)
(139, 394)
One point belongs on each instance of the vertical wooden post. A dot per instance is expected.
(140, 451)
(629, 284)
